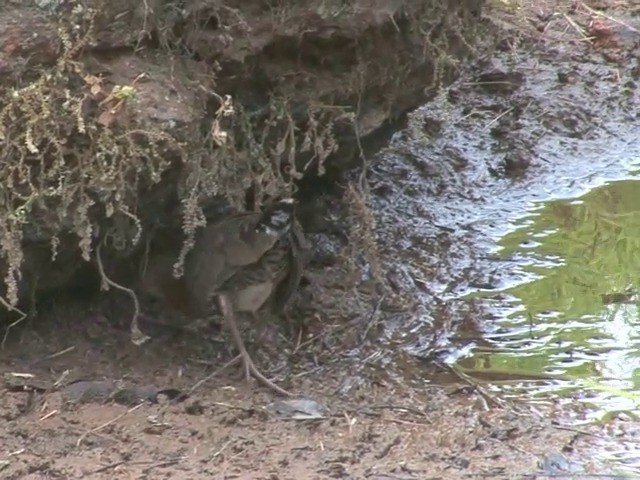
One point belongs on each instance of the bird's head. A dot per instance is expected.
(277, 218)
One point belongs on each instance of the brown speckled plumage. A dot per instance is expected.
(237, 258)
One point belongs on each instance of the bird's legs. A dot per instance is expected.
(249, 367)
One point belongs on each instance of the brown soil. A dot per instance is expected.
(222, 430)
(384, 422)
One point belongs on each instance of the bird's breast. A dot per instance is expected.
(252, 297)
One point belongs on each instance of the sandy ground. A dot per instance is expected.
(80, 428)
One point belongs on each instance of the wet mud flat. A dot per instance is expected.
(88, 404)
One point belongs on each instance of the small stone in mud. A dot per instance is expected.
(432, 126)
(456, 158)
(567, 77)
(515, 163)
(558, 464)
(195, 408)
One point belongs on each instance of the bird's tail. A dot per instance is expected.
(277, 218)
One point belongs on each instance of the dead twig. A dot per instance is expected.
(577, 28)
(151, 465)
(399, 408)
(476, 385)
(577, 431)
(372, 320)
(60, 353)
(219, 452)
(106, 424)
(506, 112)
(201, 382)
(608, 17)
(48, 415)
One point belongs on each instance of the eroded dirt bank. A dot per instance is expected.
(362, 346)
(132, 119)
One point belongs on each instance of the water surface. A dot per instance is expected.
(568, 327)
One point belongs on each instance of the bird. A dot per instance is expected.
(236, 264)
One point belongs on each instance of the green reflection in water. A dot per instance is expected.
(573, 321)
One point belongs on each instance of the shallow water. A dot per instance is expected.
(568, 327)
(566, 330)
(524, 279)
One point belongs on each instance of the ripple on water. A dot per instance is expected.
(570, 330)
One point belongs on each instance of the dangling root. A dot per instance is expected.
(137, 337)
(10, 308)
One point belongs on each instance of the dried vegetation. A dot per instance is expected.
(69, 158)
(76, 158)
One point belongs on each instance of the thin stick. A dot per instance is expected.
(106, 424)
(611, 19)
(137, 337)
(506, 112)
(372, 319)
(151, 465)
(50, 414)
(58, 354)
(576, 27)
(201, 382)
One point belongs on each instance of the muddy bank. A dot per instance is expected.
(551, 121)
(226, 429)
(130, 119)
(370, 338)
